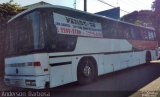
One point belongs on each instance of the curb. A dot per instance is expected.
(150, 90)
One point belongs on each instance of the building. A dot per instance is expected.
(112, 13)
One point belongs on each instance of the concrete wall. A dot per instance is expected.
(3, 44)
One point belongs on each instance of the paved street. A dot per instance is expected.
(118, 84)
(151, 90)
(3, 87)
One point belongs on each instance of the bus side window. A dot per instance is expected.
(150, 35)
(133, 33)
(124, 31)
(136, 33)
(104, 27)
(144, 34)
(127, 33)
(154, 34)
(110, 29)
(65, 42)
(120, 30)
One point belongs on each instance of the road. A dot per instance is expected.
(117, 84)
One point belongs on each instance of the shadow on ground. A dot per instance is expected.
(117, 84)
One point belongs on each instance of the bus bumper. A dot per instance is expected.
(34, 82)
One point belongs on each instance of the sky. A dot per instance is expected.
(94, 6)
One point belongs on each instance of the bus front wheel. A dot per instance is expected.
(86, 70)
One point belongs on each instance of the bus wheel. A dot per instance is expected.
(86, 71)
(148, 57)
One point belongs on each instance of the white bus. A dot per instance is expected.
(53, 45)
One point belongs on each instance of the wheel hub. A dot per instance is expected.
(87, 71)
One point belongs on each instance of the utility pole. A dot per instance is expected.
(117, 3)
(75, 4)
(85, 5)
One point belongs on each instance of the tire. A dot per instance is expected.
(148, 57)
(86, 71)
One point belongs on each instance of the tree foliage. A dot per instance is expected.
(9, 9)
(156, 17)
(156, 6)
(132, 17)
(143, 17)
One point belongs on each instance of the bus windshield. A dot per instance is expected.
(36, 32)
(26, 33)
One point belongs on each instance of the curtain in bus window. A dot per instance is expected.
(36, 28)
(38, 31)
(50, 29)
(12, 38)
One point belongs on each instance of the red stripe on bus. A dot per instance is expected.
(143, 44)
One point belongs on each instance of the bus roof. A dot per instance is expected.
(63, 7)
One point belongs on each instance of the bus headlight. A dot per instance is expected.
(30, 82)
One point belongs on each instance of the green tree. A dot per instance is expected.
(156, 18)
(131, 17)
(9, 9)
(143, 18)
(155, 5)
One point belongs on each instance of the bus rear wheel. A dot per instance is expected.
(148, 57)
(86, 71)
